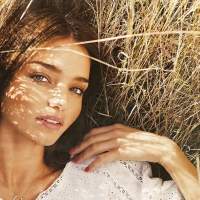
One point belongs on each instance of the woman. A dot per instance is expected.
(40, 95)
(44, 74)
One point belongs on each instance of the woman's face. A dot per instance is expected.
(45, 97)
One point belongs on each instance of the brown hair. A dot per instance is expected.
(19, 40)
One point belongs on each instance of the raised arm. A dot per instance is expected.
(119, 142)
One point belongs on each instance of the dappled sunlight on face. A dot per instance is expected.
(21, 102)
(45, 97)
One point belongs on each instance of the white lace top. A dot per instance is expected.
(120, 180)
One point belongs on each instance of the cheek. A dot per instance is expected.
(19, 99)
(14, 105)
(74, 109)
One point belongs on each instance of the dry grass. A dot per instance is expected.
(153, 51)
(156, 85)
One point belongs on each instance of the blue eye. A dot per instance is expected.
(77, 90)
(39, 78)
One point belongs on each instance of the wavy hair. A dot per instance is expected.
(20, 38)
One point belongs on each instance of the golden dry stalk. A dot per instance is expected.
(153, 51)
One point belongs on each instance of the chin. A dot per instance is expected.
(46, 142)
(49, 143)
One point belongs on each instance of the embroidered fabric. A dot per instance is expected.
(120, 180)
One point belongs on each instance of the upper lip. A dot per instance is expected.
(53, 118)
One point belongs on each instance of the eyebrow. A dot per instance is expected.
(48, 66)
(55, 69)
(81, 79)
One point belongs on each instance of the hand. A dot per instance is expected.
(119, 142)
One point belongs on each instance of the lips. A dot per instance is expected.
(50, 122)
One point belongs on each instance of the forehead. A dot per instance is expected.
(62, 45)
(64, 53)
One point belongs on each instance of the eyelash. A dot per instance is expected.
(76, 90)
(35, 75)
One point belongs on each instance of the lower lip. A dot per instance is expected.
(49, 125)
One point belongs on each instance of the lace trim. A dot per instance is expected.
(137, 172)
(118, 187)
(51, 188)
(121, 189)
(130, 168)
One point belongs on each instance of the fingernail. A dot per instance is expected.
(87, 169)
(76, 159)
(71, 151)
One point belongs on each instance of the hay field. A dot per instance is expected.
(152, 48)
(152, 53)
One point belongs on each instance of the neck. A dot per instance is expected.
(20, 157)
(22, 169)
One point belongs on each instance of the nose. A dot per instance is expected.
(58, 97)
(58, 102)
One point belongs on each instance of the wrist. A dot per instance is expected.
(171, 157)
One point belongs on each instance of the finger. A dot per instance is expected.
(99, 148)
(103, 129)
(96, 138)
(89, 142)
(112, 135)
(136, 151)
(102, 159)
